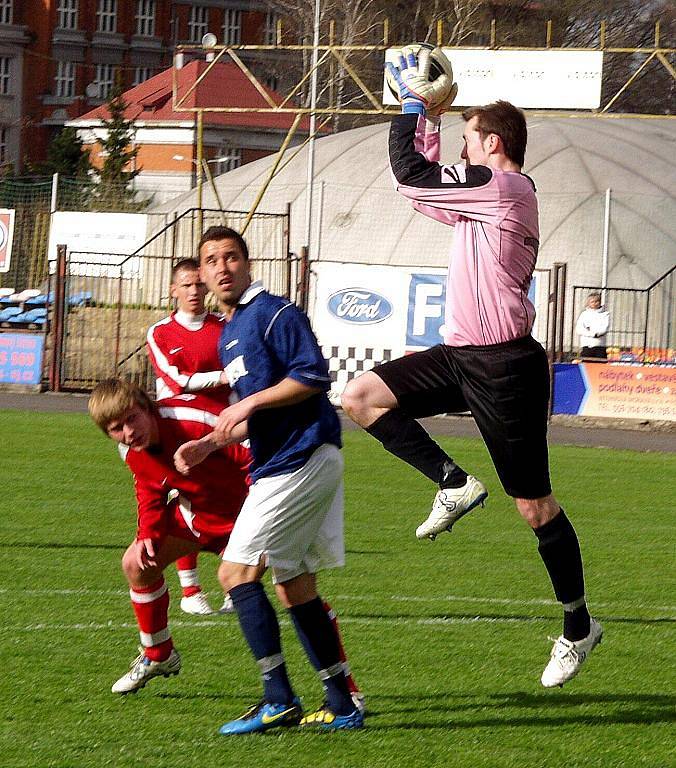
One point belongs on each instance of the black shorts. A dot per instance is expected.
(504, 386)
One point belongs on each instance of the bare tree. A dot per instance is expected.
(628, 24)
(575, 23)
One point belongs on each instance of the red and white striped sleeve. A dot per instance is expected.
(159, 343)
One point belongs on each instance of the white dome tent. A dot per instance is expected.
(360, 219)
(397, 257)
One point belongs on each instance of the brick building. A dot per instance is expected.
(167, 140)
(60, 58)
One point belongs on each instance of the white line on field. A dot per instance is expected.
(509, 601)
(500, 601)
(210, 623)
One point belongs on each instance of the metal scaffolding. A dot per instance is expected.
(330, 57)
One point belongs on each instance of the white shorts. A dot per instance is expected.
(293, 522)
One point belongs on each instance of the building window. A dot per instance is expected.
(145, 18)
(105, 79)
(65, 79)
(271, 82)
(270, 29)
(3, 145)
(229, 159)
(4, 74)
(106, 16)
(232, 27)
(6, 11)
(141, 74)
(198, 23)
(66, 14)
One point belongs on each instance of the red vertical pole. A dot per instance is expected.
(303, 279)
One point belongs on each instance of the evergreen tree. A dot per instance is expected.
(65, 156)
(114, 192)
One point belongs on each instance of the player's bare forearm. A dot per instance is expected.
(287, 392)
(194, 452)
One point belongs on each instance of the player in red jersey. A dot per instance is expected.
(177, 514)
(183, 351)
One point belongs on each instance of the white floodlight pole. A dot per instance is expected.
(313, 120)
(55, 188)
(606, 246)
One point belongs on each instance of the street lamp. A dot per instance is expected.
(209, 41)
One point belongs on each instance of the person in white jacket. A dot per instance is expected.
(592, 327)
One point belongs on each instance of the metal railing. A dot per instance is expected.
(108, 301)
(642, 321)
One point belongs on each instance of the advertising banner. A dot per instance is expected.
(99, 240)
(425, 315)
(365, 315)
(615, 390)
(21, 358)
(6, 237)
(359, 317)
(529, 79)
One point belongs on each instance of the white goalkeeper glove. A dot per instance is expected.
(439, 109)
(417, 93)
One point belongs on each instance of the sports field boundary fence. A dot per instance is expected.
(103, 303)
(642, 321)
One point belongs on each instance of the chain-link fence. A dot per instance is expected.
(33, 199)
(31, 204)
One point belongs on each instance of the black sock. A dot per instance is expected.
(260, 628)
(560, 551)
(452, 476)
(407, 440)
(318, 638)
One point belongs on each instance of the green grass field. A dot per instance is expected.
(447, 639)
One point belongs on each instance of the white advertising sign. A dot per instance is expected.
(359, 317)
(6, 237)
(528, 79)
(361, 305)
(97, 240)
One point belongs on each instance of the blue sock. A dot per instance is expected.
(260, 628)
(318, 638)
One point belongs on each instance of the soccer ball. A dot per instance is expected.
(439, 65)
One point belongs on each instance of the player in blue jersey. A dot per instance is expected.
(292, 520)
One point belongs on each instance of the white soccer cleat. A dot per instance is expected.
(197, 605)
(143, 669)
(228, 606)
(450, 504)
(568, 656)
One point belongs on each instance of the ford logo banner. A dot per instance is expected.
(357, 305)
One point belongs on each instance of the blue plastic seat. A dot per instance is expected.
(7, 314)
(22, 317)
(40, 301)
(32, 316)
(80, 299)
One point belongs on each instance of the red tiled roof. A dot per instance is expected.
(224, 86)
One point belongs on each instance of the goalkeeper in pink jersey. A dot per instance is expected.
(183, 351)
(489, 363)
